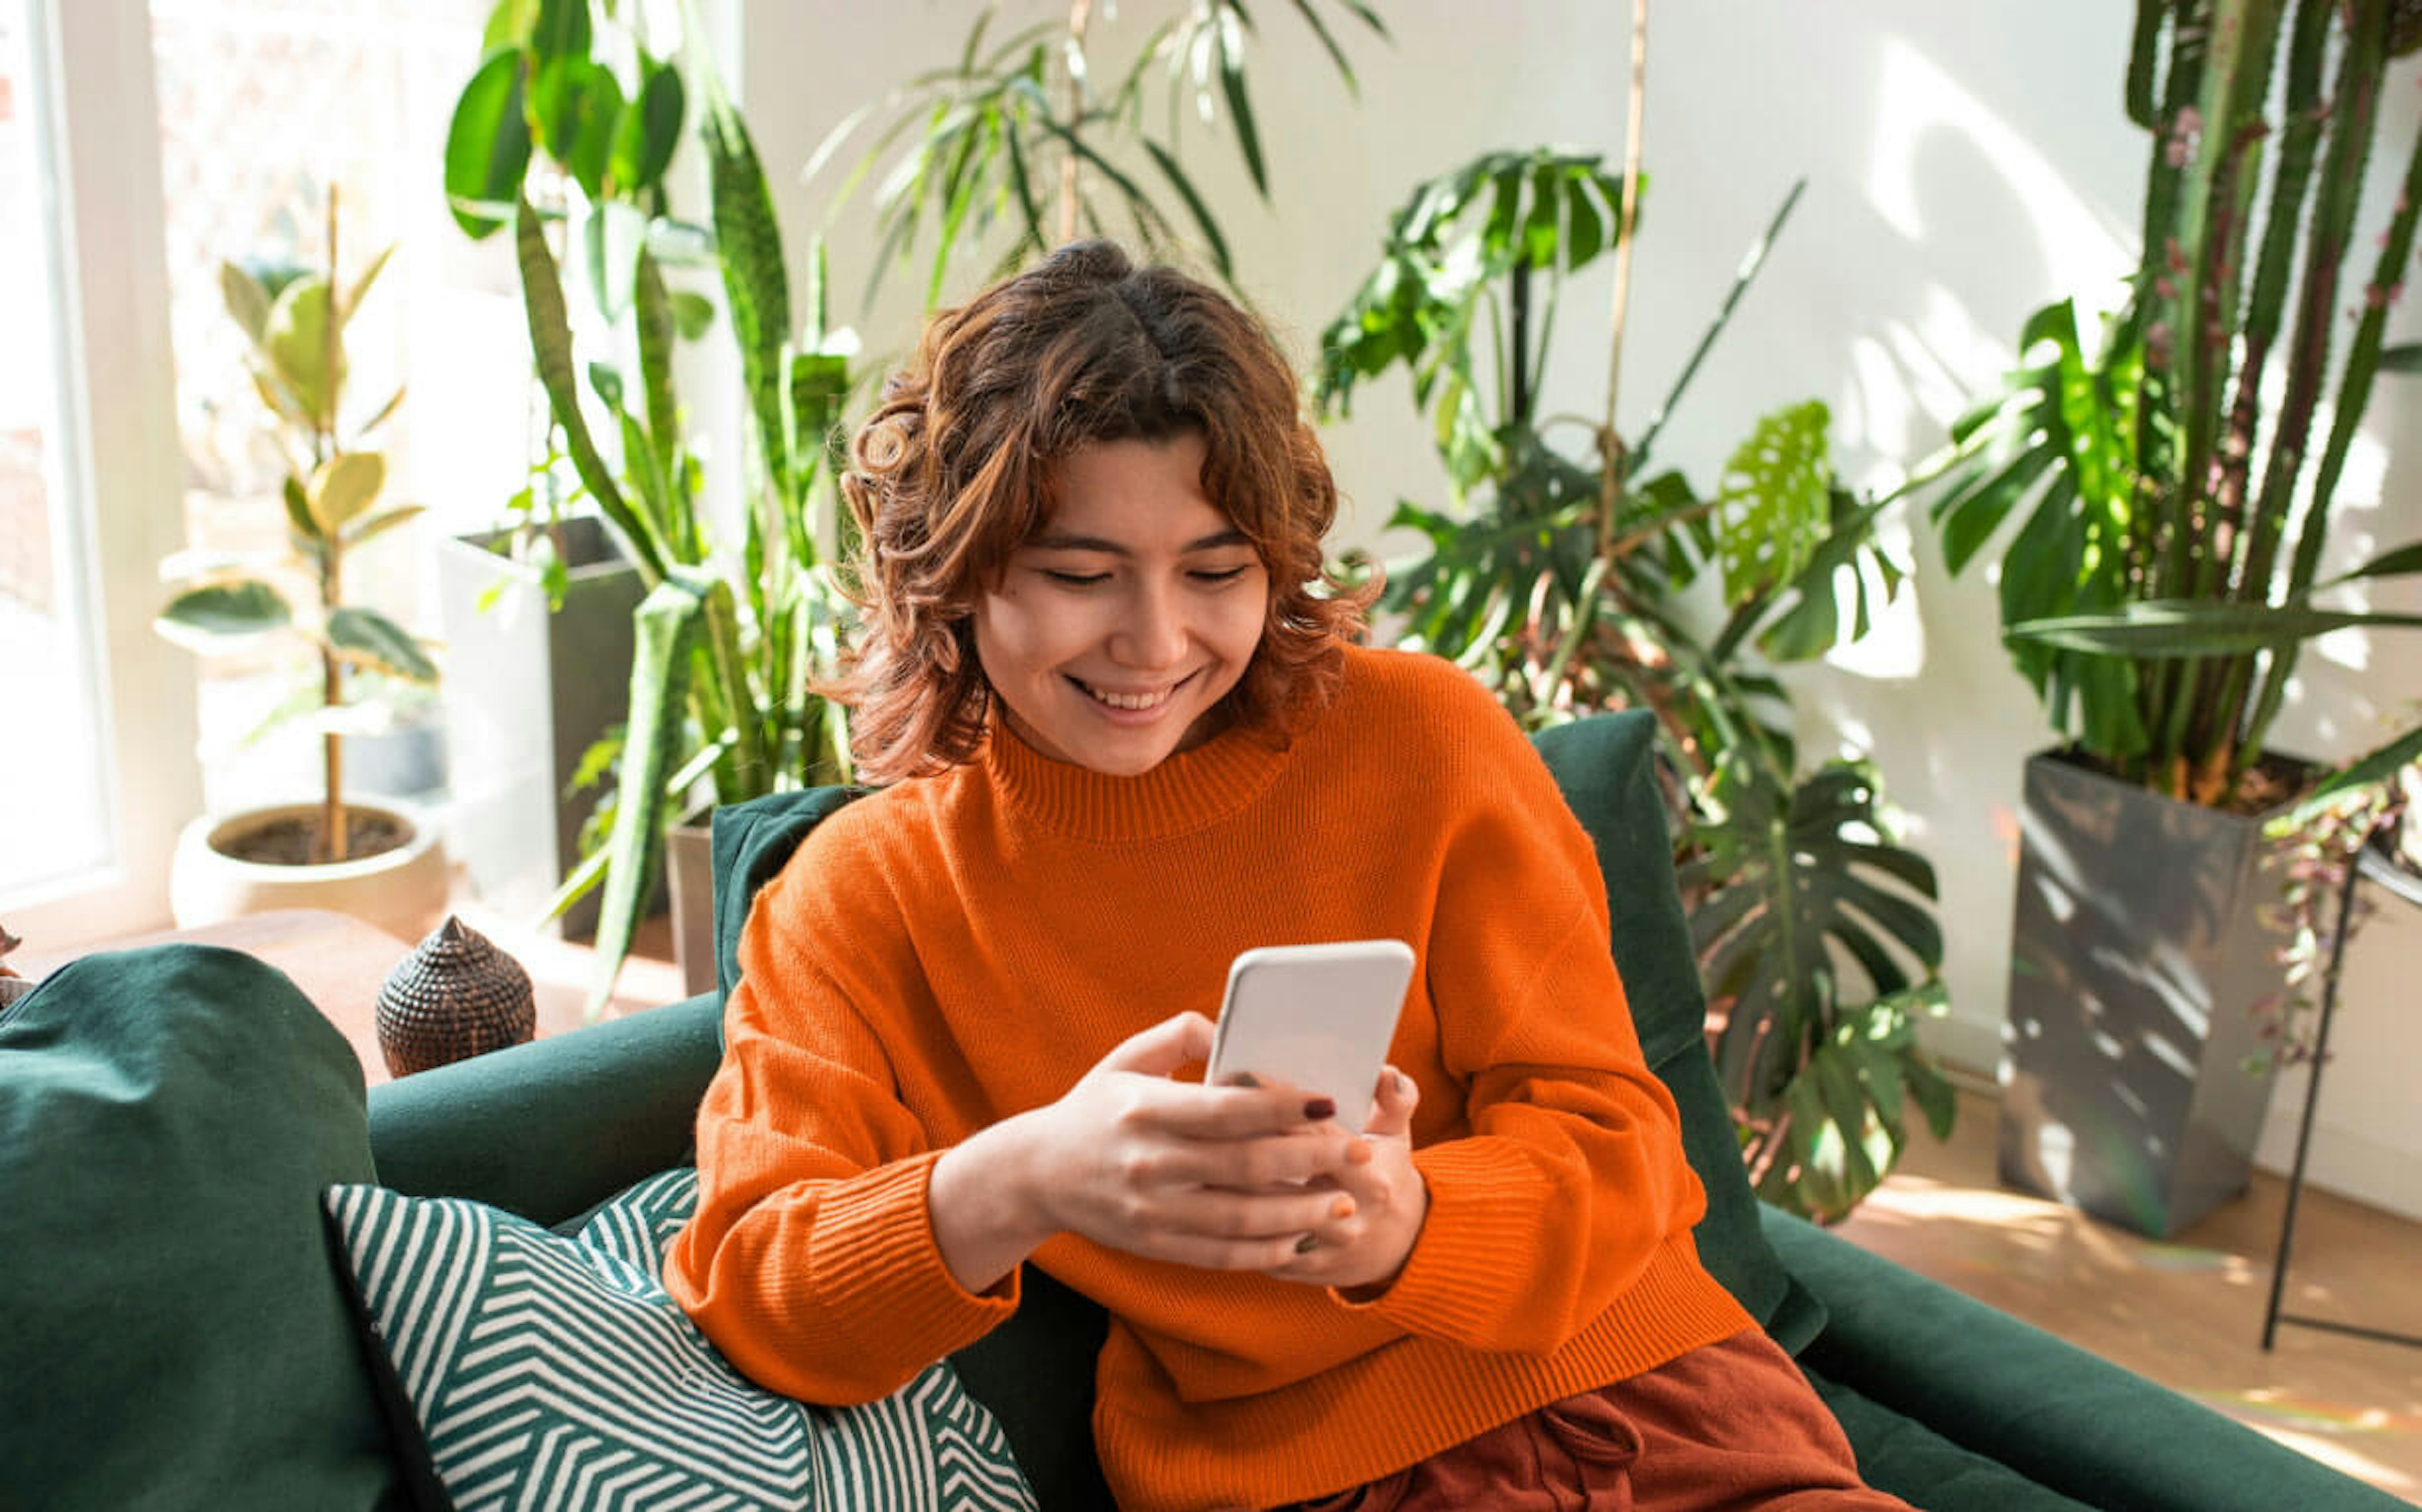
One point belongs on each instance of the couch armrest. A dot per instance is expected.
(550, 1129)
(2061, 1417)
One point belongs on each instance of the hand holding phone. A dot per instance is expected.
(1315, 1018)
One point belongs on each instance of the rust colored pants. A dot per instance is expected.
(1724, 1429)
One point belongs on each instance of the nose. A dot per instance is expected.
(1153, 633)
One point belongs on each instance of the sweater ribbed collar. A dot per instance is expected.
(1189, 791)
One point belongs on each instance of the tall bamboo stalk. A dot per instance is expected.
(1610, 468)
(1080, 15)
(332, 675)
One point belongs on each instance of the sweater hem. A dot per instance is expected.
(1323, 1435)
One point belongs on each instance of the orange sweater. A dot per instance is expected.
(962, 947)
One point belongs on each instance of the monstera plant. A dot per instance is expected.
(570, 122)
(1562, 572)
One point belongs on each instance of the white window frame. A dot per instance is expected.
(118, 468)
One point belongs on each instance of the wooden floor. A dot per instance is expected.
(2187, 1312)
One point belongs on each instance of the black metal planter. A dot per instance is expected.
(2138, 949)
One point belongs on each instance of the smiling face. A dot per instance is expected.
(1115, 631)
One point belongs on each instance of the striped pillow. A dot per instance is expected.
(553, 1371)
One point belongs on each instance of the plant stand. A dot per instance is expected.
(2373, 860)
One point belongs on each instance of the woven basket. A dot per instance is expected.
(455, 996)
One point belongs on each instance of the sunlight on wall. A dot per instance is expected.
(2080, 250)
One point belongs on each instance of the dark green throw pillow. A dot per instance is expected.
(172, 1327)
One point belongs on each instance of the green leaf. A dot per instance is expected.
(1203, 219)
(245, 607)
(367, 638)
(246, 301)
(509, 25)
(2377, 766)
(2403, 359)
(693, 314)
(295, 342)
(576, 104)
(2174, 628)
(550, 331)
(361, 289)
(647, 132)
(612, 235)
(1772, 505)
(756, 287)
(487, 147)
(666, 626)
(343, 487)
(374, 526)
(2404, 561)
(561, 30)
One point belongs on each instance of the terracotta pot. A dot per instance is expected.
(402, 891)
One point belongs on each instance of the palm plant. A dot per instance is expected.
(2173, 506)
(1026, 132)
(295, 318)
(572, 105)
(1559, 575)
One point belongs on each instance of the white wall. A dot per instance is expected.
(1965, 163)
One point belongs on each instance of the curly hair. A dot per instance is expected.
(955, 469)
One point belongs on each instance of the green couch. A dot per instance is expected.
(1949, 1404)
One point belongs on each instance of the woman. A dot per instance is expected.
(1128, 738)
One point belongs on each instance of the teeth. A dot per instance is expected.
(1124, 700)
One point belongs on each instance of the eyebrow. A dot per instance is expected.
(1065, 541)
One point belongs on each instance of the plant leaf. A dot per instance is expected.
(487, 147)
(344, 486)
(223, 611)
(367, 638)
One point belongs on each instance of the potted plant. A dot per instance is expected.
(1557, 576)
(527, 610)
(381, 861)
(575, 109)
(2169, 512)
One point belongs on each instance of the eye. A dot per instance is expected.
(1076, 580)
(1225, 575)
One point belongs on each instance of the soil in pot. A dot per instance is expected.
(295, 841)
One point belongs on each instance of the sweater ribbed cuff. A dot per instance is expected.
(884, 1284)
(1456, 1281)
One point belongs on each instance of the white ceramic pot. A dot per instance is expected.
(401, 890)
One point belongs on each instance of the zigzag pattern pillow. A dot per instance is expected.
(547, 1371)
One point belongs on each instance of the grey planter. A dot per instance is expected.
(526, 694)
(2138, 949)
(689, 880)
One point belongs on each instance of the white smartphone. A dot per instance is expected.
(1316, 1018)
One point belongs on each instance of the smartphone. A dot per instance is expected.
(1316, 1018)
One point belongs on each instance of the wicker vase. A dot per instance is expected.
(455, 996)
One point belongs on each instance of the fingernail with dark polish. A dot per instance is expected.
(1307, 1244)
(1320, 1108)
(1244, 1079)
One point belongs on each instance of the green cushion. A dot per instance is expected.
(552, 1371)
(1922, 1467)
(174, 1327)
(1606, 767)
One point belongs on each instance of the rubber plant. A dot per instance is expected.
(572, 105)
(295, 318)
(1029, 132)
(1560, 574)
(2173, 483)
